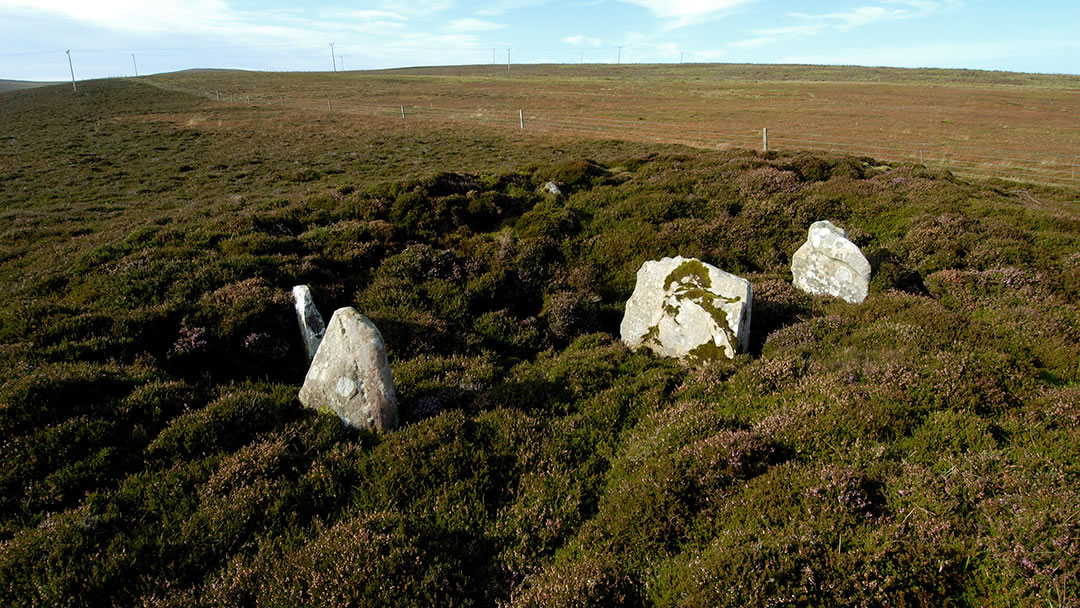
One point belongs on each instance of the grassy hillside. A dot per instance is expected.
(918, 449)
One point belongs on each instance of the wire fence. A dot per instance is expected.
(1050, 170)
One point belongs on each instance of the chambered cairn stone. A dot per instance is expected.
(351, 375)
(684, 308)
(309, 320)
(829, 264)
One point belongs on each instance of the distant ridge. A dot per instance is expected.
(15, 85)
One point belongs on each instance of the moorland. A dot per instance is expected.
(920, 448)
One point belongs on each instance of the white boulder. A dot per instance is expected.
(829, 264)
(682, 307)
(351, 375)
(551, 188)
(309, 320)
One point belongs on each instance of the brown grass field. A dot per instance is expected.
(977, 124)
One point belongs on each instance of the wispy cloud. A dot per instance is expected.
(708, 55)
(473, 25)
(845, 20)
(689, 12)
(418, 8)
(582, 41)
(363, 15)
(135, 16)
(806, 24)
(978, 55)
(752, 43)
(494, 9)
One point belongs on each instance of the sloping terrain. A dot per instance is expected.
(18, 85)
(922, 448)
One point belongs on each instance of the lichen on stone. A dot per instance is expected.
(690, 281)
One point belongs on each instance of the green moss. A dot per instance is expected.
(709, 350)
(692, 272)
(692, 283)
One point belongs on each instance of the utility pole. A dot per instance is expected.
(135, 64)
(619, 60)
(342, 58)
(507, 60)
(332, 57)
(72, 68)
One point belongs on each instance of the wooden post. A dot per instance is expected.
(282, 98)
(329, 108)
(765, 139)
(402, 112)
(521, 118)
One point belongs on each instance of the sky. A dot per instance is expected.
(119, 37)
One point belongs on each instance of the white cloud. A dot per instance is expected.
(978, 55)
(752, 43)
(418, 8)
(708, 55)
(857, 17)
(494, 9)
(842, 21)
(363, 15)
(582, 41)
(473, 25)
(134, 16)
(688, 12)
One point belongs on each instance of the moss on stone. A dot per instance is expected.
(709, 350)
(692, 282)
(693, 270)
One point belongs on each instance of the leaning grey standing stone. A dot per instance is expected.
(351, 375)
(682, 307)
(309, 320)
(829, 264)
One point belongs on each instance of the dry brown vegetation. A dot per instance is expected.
(1018, 126)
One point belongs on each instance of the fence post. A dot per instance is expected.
(765, 139)
(521, 118)
(402, 112)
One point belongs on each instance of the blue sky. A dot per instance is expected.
(168, 35)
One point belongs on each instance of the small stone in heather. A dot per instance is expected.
(309, 320)
(829, 264)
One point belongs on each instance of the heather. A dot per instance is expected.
(920, 448)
